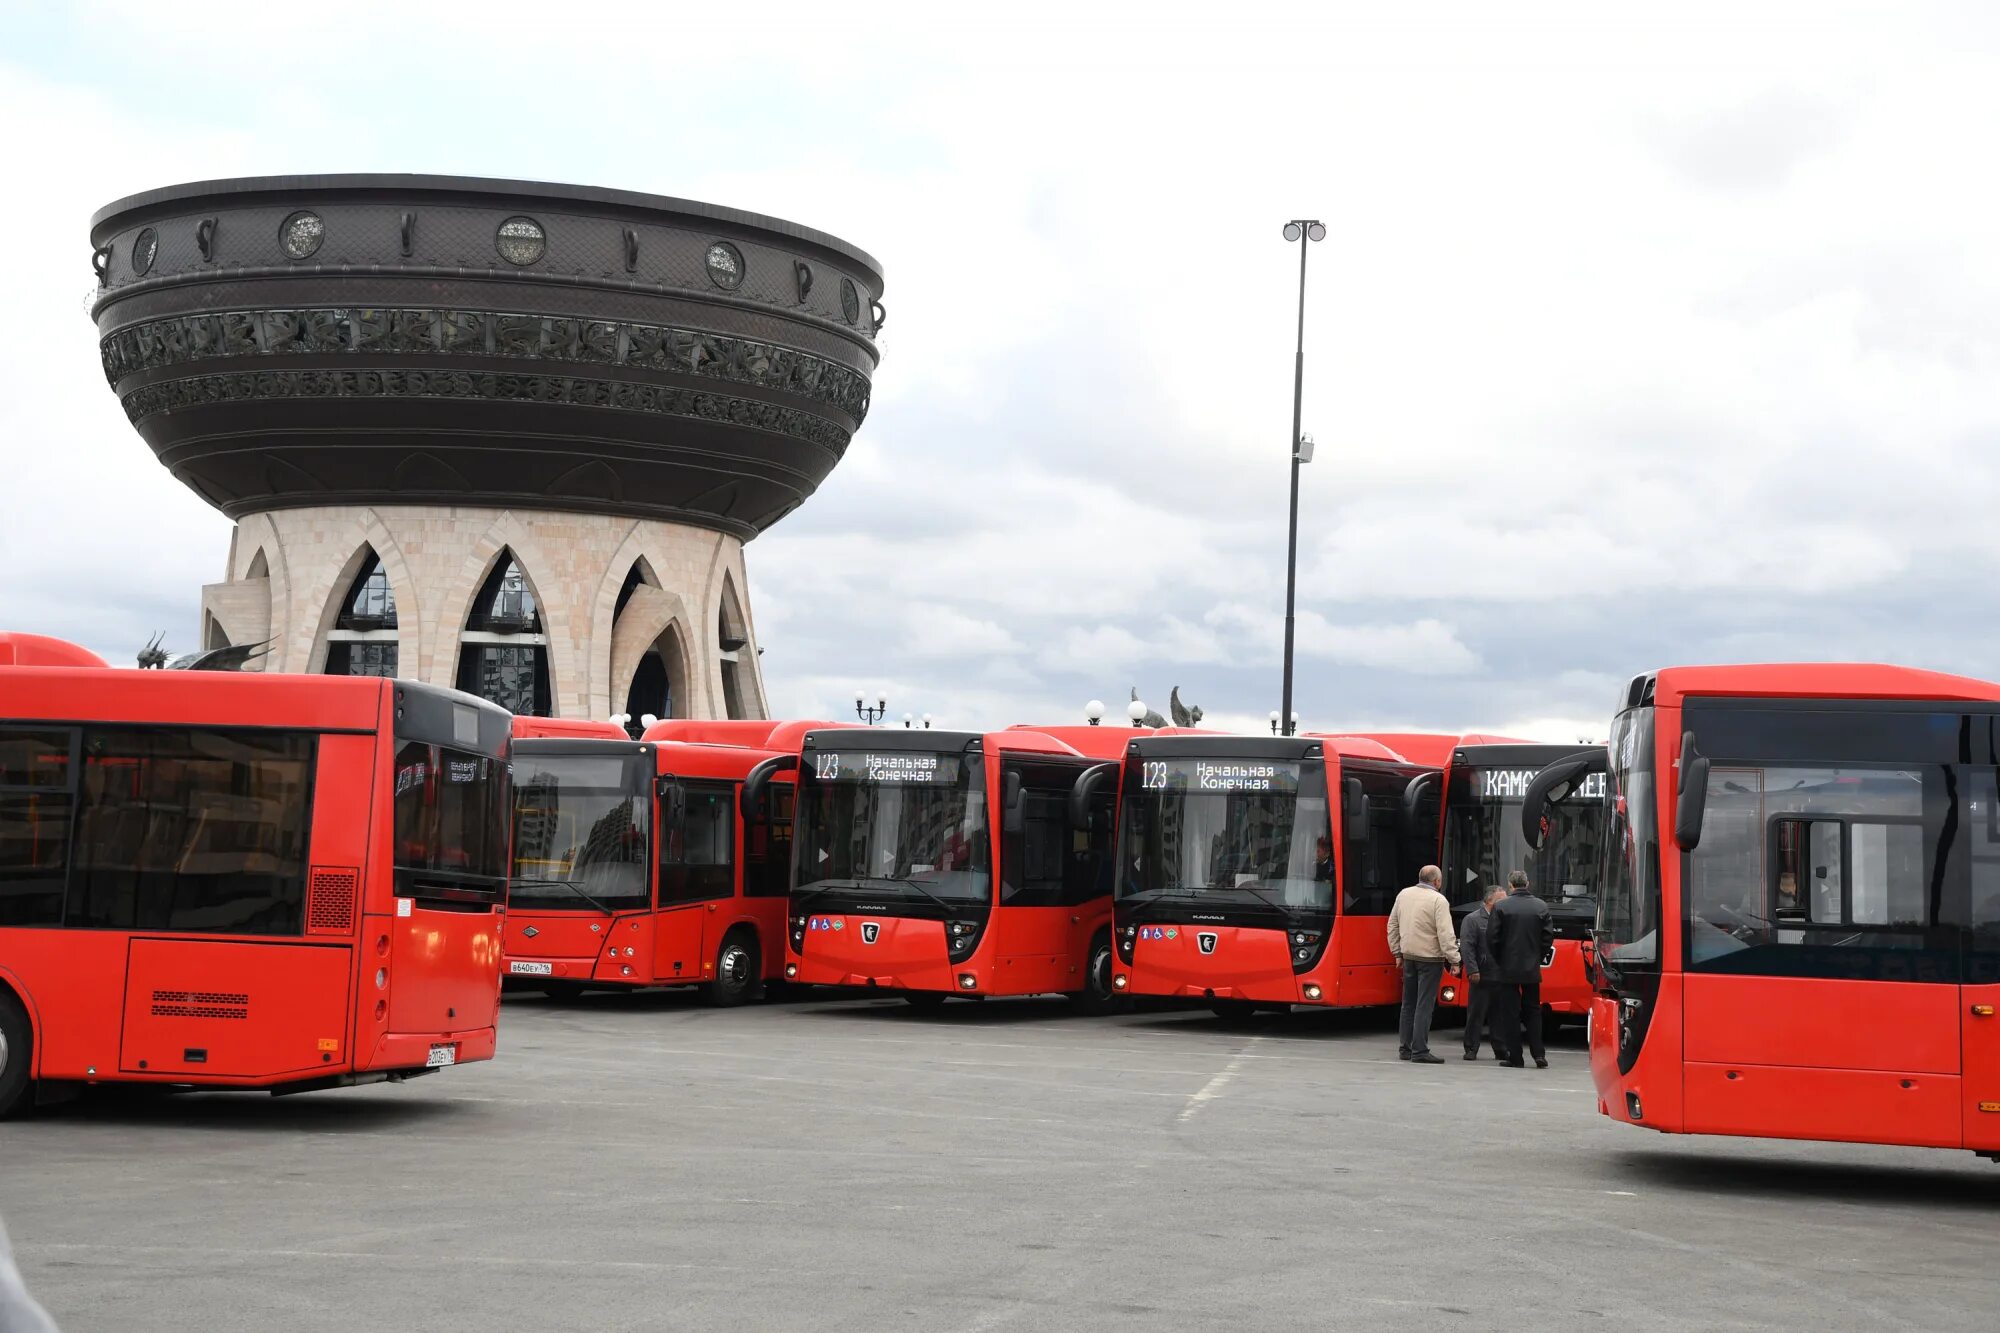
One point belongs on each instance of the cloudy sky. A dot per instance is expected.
(1629, 344)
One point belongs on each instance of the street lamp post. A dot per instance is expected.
(870, 713)
(1302, 230)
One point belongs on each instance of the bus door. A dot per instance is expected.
(1820, 999)
(697, 876)
(1043, 883)
(1373, 870)
(1979, 1007)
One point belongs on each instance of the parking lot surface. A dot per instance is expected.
(643, 1162)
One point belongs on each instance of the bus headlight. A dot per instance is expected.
(967, 981)
(1449, 993)
(791, 970)
(1312, 990)
(1119, 982)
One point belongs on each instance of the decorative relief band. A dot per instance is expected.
(168, 342)
(621, 395)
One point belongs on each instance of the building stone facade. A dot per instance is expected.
(291, 572)
(501, 435)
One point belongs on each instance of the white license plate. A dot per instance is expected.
(532, 969)
(441, 1056)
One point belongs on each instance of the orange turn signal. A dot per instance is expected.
(1982, 1011)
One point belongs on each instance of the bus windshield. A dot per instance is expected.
(1628, 909)
(452, 812)
(1483, 837)
(1226, 831)
(581, 826)
(902, 823)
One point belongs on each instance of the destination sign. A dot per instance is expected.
(905, 768)
(1219, 775)
(1511, 784)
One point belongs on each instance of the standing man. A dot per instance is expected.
(1476, 947)
(1521, 935)
(1423, 944)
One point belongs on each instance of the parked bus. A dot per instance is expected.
(1798, 926)
(1484, 785)
(940, 863)
(245, 881)
(636, 864)
(1258, 872)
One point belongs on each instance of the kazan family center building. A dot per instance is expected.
(497, 435)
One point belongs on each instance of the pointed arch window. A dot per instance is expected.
(363, 639)
(503, 654)
(732, 636)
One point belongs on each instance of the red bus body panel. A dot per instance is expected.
(257, 1011)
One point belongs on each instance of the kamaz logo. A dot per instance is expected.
(1206, 940)
(869, 930)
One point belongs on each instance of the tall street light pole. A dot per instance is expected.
(1304, 231)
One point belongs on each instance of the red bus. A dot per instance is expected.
(637, 864)
(1258, 872)
(1798, 926)
(245, 881)
(1484, 786)
(940, 863)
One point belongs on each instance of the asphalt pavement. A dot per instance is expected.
(644, 1162)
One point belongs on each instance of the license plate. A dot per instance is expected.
(441, 1056)
(532, 969)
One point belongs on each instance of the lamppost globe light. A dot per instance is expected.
(1291, 231)
(1316, 231)
(647, 719)
(927, 719)
(908, 719)
(1274, 717)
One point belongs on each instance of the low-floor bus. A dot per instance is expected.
(245, 881)
(1798, 927)
(638, 864)
(1258, 872)
(941, 863)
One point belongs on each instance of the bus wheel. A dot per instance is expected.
(736, 970)
(924, 999)
(1097, 997)
(16, 1052)
(1232, 1008)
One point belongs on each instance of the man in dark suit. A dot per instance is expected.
(1520, 935)
(1475, 945)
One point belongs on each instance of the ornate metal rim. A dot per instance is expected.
(568, 390)
(340, 330)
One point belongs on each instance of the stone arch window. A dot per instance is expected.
(260, 568)
(503, 653)
(659, 686)
(639, 576)
(732, 637)
(363, 640)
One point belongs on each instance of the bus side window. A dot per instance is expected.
(698, 849)
(1036, 859)
(37, 785)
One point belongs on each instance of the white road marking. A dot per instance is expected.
(1213, 1088)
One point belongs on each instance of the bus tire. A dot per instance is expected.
(738, 970)
(17, 1051)
(1097, 996)
(924, 999)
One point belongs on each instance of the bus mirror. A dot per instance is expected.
(1693, 800)
(751, 801)
(1084, 793)
(1551, 787)
(1413, 799)
(1354, 810)
(1013, 803)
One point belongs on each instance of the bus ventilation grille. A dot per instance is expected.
(200, 1004)
(330, 901)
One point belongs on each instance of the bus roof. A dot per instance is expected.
(202, 698)
(1820, 680)
(1018, 739)
(21, 650)
(567, 728)
(783, 734)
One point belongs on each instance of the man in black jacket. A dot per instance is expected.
(1520, 936)
(1475, 946)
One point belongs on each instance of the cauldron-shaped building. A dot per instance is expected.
(494, 434)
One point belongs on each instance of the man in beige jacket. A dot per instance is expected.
(1423, 944)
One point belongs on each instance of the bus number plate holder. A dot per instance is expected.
(521, 969)
(441, 1056)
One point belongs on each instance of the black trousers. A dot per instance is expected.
(1479, 1006)
(1516, 1008)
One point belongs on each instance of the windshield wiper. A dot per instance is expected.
(573, 889)
(1261, 897)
